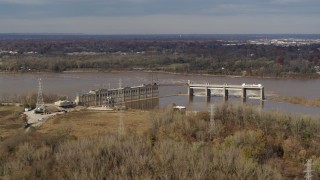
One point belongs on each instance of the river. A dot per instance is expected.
(72, 83)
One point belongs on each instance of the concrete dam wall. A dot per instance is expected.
(111, 97)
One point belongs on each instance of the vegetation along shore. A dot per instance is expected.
(243, 143)
(199, 56)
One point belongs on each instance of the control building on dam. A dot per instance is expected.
(126, 95)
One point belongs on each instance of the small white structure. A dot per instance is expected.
(182, 109)
(26, 109)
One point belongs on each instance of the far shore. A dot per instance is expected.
(152, 71)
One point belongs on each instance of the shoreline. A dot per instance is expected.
(162, 72)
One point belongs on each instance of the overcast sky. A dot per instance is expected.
(160, 16)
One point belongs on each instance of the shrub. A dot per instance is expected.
(177, 146)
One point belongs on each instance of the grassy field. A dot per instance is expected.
(10, 121)
(87, 123)
(83, 123)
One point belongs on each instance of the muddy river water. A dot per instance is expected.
(72, 83)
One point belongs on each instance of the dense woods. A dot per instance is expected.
(244, 143)
(173, 55)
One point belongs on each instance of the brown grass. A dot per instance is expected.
(304, 101)
(298, 100)
(9, 120)
(91, 123)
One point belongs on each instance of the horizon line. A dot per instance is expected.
(151, 34)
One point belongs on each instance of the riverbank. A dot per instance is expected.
(302, 77)
(297, 100)
(71, 83)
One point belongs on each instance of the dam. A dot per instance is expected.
(112, 97)
(225, 89)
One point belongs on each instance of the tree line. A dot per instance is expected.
(189, 56)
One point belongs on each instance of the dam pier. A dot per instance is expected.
(225, 88)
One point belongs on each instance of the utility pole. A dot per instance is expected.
(153, 77)
(212, 123)
(121, 124)
(308, 170)
(120, 104)
(40, 102)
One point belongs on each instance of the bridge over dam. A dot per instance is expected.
(225, 88)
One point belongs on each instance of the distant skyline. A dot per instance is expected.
(160, 16)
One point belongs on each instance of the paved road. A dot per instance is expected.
(37, 119)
